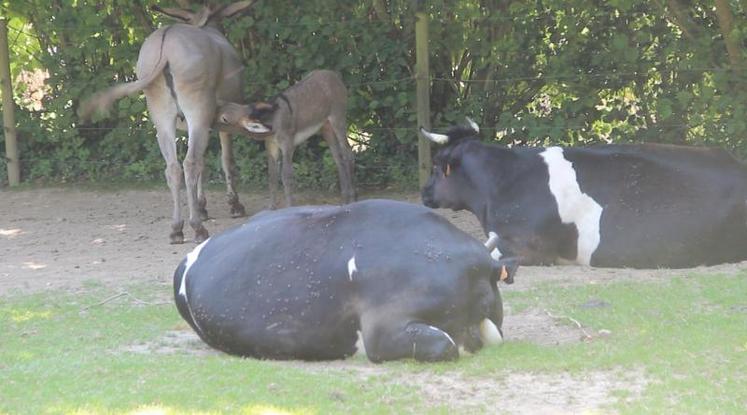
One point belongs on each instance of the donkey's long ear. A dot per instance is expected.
(236, 8)
(178, 14)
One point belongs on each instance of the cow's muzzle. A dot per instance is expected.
(427, 197)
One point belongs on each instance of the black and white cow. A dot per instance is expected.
(627, 205)
(302, 282)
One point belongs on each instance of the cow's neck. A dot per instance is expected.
(478, 205)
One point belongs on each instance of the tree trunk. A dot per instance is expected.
(726, 24)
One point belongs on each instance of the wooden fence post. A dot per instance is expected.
(9, 117)
(423, 81)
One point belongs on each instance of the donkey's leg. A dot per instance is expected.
(229, 169)
(339, 126)
(287, 147)
(193, 167)
(162, 109)
(273, 170)
(343, 173)
(201, 201)
(199, 109)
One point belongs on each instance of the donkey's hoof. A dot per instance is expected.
(201, 235)
(176, 238)
(237, 210)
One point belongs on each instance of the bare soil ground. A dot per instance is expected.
(63, 239)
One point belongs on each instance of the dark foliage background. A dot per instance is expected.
(568, 72)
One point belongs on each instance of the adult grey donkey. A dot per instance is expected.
(185, 69)
(318, 101)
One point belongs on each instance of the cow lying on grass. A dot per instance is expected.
(628, 205)
(300, 283)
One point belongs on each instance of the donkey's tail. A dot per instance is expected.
(102, 101)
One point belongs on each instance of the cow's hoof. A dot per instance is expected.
(237, 210)
(431, 344)
(176, 238)
(438, 353)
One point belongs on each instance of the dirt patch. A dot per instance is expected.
(528, 393)
(546, 393)
(539, 327)
(65, 238)
(505, 392)
(531, 326)
(172, 342)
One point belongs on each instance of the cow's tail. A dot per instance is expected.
(102, 101)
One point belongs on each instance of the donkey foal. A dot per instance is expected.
(316, 102)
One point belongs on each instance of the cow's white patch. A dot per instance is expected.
(489, 333)
(360, 347)
(447, 334)
(574, 206)
(496, 254)
(493, 242)
(191, 258)
(352, 268)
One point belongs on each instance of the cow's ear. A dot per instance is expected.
(505, 269)
(450, 165)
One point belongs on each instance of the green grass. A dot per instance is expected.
(687, 335)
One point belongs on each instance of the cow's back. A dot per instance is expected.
(291, 283)
(664, 205)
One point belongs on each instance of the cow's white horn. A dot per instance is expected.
(492, 241)
(436, 138)
(473, 125)
(489, 333)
